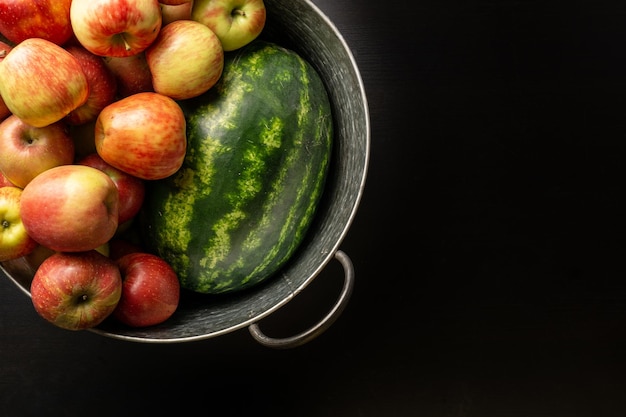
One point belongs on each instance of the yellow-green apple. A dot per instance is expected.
(15, 242)
(26, 151)
(115, 27)
(41, 82)
(76, 291)
(173, 12)
(70, 208)
(185, 60)
(150, 290)
(143, 135)
(235, 22)
(5, 48)
(46, 19)
(131, 73)
(102, 85)
(130, 188)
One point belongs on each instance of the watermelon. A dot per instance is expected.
(259, 148)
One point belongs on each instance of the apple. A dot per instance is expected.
(115, 27)
(46, 19)
(132, 74)
(70, 208)
(76, 291)
(131, 189)
(41, 82)
(26, 151)
(150, 290)
(143, 135)
(102, 85)
(15, 242)
(173, 12)
(5, 48)
(235, 22)
(185, 60)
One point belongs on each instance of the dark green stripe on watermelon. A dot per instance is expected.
(259, 145)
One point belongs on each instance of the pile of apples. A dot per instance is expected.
(89, 112)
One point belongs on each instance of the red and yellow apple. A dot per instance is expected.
(26, 151)
(76, 291)
(102, 86)
(150, 290)
(46, 19)
(15, 242)
(115, 27)
(71, 208)
(41, 82)
(143, 135)
(185, 60)
(235, 22)
(130, 188)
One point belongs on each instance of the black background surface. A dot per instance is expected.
(488, 246)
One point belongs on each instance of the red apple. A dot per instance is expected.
(185, 60)
(150, 290)
(102, 86)
(27, 151)
(235, 22)
(132, 74)
(173, 12)
(5, 48)
(115, 27)
(71, 208)
(76, 291)
(131, 189)
(15, 242)
(41, 82)
(46, 19)
(143, 135)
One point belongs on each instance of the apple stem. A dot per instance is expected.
(126, 45)
(238, 12)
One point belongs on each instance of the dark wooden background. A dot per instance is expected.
(489, 245)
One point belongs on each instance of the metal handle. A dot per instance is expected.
(322, 325)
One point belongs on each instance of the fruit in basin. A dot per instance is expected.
(185, 60)
(259, 149)
(26, 151)
(150, 291)
(76, 291)
(60, 88)
(70, 208)
(143, 135)
(235, 22)
(46, 19)
(115, 27)
(14, 240)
